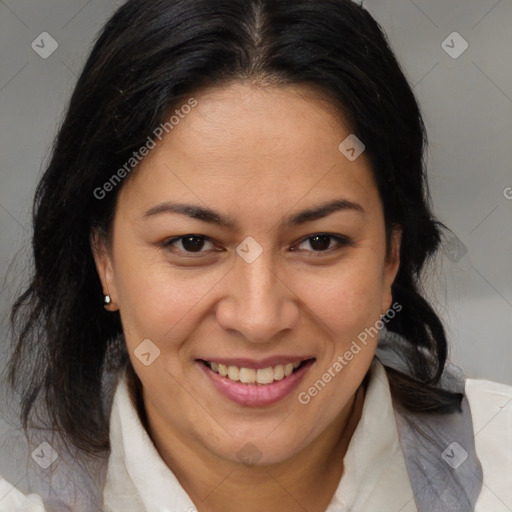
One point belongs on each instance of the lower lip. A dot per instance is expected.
(254, 395)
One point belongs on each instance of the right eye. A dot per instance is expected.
(191, 244)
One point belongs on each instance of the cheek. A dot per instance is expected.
(157, 301)
(348, 299)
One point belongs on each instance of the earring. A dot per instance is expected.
(107, 299)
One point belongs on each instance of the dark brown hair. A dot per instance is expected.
(150, 56)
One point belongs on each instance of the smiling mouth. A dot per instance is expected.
(260, 376)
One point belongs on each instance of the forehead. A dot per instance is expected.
(267, 145)
(270, 121)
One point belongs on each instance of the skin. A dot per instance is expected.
(257, 154)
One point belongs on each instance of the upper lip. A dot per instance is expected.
(267, 362)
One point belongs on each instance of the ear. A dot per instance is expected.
(391, 267)
(104, 266)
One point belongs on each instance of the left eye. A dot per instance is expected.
(321, 242)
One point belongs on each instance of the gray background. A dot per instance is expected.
(467, 105)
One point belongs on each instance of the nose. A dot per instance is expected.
(259, 304)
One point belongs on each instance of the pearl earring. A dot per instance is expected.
(107, 299)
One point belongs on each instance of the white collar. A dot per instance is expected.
(375, 475)
(137, 477)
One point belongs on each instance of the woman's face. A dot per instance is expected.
(253, 289)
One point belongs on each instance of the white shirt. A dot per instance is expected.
(375, 477)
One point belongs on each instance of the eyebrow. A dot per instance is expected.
(213, 217)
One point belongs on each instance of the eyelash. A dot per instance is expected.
(342, 241)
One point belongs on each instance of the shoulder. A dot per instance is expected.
(491, 410)
(13, 500)
(491, 406)
(40, 473)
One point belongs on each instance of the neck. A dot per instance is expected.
(306, 481)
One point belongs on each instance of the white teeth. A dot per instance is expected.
(265, 376)
(279, 372)
(233, 372)
(247, 375)
(252, 376)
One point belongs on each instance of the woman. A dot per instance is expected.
(225, 311)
